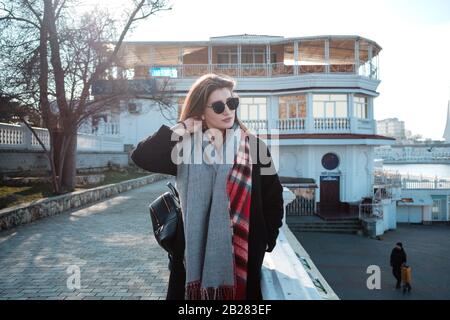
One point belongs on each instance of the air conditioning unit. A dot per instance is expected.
(134, 108)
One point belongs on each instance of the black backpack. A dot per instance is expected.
(165, 213)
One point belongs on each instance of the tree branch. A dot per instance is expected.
(36, 14)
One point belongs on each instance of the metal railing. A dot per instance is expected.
(408, 183)
(276, 69)
(301, 206)
(281, 69)
(382, 193)
(370, 211)
(193, 70)
(368, 69)
(383, 177)
(231, 69)
(254, 70)
(397, 180)
(342, 68)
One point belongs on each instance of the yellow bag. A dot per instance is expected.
(406, 274)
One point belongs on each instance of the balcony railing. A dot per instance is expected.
(256, 124)
(254, 70)
(19, 137)
(231, 70)
(193, 70)
(263, 70)
(332, 124)
(13, 136)
(365, 124)
(291, 124)
(313, 125)
(280, 69)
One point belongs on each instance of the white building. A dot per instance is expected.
(391, 127)
(318, 92)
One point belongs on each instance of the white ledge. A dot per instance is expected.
(288, 272)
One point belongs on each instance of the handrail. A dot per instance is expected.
(268, 70)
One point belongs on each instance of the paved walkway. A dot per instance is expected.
(343, 260)
(110, 242)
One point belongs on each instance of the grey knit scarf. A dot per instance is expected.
(208, 230)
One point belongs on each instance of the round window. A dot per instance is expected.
(330, 161)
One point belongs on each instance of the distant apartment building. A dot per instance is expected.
(391, 127)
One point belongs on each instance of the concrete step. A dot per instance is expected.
(332, 227)
(346, 231)
(325, 227)
(335, 226)
(325, 223)
(316, 219)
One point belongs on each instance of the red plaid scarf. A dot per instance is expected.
(239, 186)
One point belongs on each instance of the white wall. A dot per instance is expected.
(356, 167)
(409, 214)
(389, 214)
(135, 127)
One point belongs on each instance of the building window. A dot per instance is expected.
(436, 209)
(253, 108)
(361, 108)
(227, 57)
(254, 55)
(292, 107)
(330, 106)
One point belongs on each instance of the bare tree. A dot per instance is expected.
(49, 60)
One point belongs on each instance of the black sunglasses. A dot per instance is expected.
(219, 106)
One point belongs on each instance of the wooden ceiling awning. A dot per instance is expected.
(310, 49)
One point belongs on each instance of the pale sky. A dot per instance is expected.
(414, 35)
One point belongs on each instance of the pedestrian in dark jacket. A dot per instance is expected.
(232, 204)
(398, 259)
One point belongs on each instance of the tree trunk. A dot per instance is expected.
(58, 135)
(70, 164)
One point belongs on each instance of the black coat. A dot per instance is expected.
(398, 257)
(266, 208)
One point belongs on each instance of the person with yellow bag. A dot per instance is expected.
(398, 259)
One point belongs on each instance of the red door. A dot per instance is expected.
(329, 194)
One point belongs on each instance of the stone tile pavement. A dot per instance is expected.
(343, 260)
(110, 243)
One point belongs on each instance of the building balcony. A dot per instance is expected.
(245, 56)
(257, 70)
(314, 126)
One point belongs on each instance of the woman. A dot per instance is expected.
(232, 210)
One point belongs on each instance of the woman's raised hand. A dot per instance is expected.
(192, 125)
